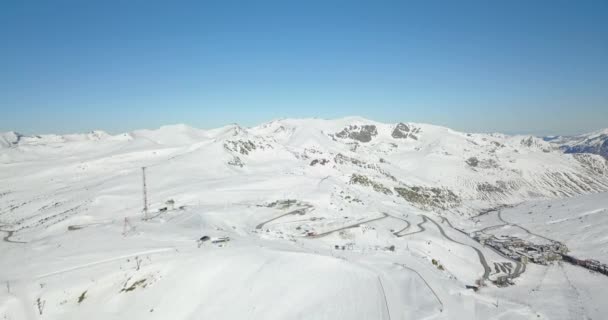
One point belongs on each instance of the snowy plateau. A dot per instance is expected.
(303, 219)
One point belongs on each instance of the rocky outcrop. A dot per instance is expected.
(342, 159)
(534, 142)
(363, 133)
(403, 131)
(365, 181)
(244, 147)
(472, 162)
(319, 162)
(236, 162)
(429, 198)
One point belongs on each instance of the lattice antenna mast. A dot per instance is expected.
(143, 170)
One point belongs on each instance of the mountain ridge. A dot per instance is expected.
(408, 159)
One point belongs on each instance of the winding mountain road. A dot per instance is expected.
(384, 215)
(420, 227)
(300, 211)
(482, 259)
(407, 225)
(519, 267)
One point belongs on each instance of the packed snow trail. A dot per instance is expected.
(8, 236)
(388, 311)
(576, 311)
(91, 264)
(425, 282)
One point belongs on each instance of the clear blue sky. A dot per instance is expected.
(511, 66)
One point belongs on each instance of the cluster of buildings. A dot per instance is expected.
(589, 264)
(523, 251)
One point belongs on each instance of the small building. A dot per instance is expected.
(170, 204)
(502, 281)
(474, 288)
(220, 240)
(523, 259)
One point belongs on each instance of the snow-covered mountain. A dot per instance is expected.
(376, 218)
(595, 143)
(482, 169)
(9, 139)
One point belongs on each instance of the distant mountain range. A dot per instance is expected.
(594, 142)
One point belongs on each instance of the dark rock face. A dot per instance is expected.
(472, 161)
(497, 144)
(363, 133)
(240, 146)
(319, 161)
(403, 131)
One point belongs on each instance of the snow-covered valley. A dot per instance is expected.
(299, 219)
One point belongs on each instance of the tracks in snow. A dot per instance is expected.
(8, 236)
(425, 282)
(522, 228)
(91, 264)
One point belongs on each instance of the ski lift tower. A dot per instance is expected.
(143, 171)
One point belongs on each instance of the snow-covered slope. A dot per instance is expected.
(328, 219)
